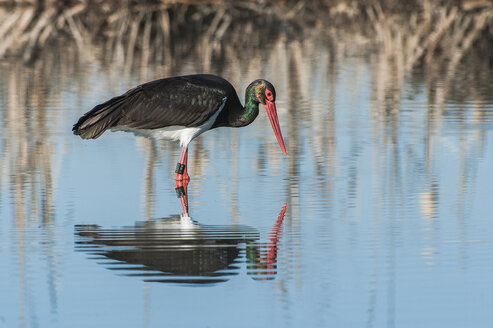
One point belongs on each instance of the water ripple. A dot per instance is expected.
(179, 250)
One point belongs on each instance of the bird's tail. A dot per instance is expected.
(99, 119)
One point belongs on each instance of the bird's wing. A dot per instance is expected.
(181, 101)
(185, 101)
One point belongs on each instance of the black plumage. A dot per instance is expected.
(188, 105)
(187, 101)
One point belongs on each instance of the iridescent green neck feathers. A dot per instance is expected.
(253, 97)
(250, 111)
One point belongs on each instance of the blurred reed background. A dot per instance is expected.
(443, 47)
(44, 46)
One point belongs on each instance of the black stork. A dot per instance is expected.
(180, 109)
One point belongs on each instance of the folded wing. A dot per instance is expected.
(183, 101)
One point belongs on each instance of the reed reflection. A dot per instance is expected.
(178, 249)
(29, 173)
(421, 109)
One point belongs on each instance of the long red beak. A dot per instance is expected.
(270, 107)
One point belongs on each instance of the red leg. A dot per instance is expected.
(185, 173)
(182, 180)
(181, 188)
(181, 167)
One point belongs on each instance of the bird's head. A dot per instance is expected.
(265, 94)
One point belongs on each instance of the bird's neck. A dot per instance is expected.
(250, 110)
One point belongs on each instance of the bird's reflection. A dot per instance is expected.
(178, 249)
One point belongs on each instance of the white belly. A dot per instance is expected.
(182, 134)
(172, 133)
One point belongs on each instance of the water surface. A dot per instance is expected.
(380, 215)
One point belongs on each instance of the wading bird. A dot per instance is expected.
(180, 109)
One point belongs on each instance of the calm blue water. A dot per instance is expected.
(387, 186)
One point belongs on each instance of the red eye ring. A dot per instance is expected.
(268, 94)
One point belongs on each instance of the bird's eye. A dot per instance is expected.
(268, 94)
